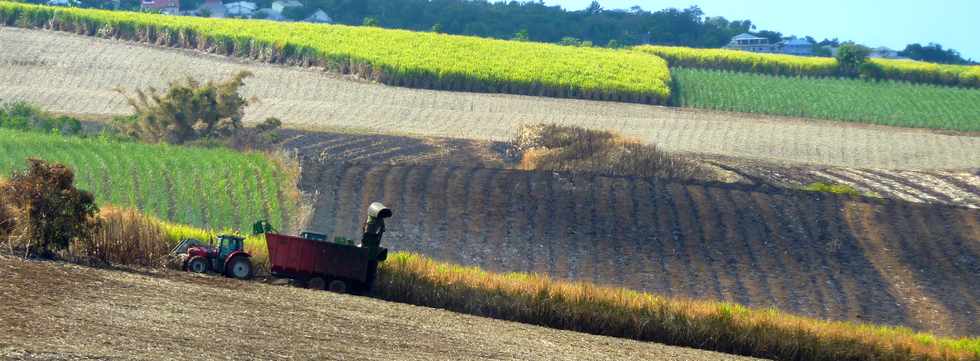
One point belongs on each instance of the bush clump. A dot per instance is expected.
(126, 236)
(190, 111)
(574, 149)
(27, 117)
(43, 211)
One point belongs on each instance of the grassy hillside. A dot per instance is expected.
(421, 60)
(781, 64)
(202, 187)
(885, 102)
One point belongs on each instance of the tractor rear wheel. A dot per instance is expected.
(316, 283)
(240, 268)
(338, 286)
(197, 265)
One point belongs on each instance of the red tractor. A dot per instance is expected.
(228, 258)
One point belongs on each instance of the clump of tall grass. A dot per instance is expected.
(554, 147)
(126, 236)
(619, 312)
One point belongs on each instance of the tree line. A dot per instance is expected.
(536, 21)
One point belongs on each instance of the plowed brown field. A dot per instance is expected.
(819, 255)
(74, 74)
(54, 311)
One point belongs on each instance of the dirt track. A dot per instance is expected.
(74, 74)
(53, 311)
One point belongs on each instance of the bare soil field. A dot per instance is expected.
(55, 311)
(960, 188)
(74, 74)
(820, 255)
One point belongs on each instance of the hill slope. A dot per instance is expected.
(94, 314)
(814, 254)
(75, 74)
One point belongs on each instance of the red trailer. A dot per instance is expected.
(324, 265)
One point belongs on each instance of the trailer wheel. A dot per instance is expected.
(197, 265)
(316, 283)
(338, 286)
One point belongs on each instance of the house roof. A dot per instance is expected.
(747, 36)
(240, 7)
(271, 14)
(798, 42)
(159, 4)
(288, 3)
(319, 17)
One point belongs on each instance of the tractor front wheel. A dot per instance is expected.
(240, 268)
(197, 265)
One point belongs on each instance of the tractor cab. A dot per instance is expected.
(229, 244)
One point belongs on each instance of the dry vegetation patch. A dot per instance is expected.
(552, 147)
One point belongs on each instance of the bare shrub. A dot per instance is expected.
(126, 236)
(47, 208)
(187, 111)
(575, 149)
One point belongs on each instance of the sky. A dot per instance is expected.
(891, 23)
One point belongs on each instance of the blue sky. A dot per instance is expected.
(891, 23)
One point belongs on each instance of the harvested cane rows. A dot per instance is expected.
(816, 254)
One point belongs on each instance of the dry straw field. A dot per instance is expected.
(75, 74)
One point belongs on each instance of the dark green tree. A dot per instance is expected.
(933, 53)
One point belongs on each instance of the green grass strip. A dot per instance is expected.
(200, 177)
(882, 102)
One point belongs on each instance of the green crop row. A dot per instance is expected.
(395, 57)
(779, 64)
(882, 102)
(202, 187)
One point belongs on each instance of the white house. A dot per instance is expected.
(796, 46)
(749, 42)
(269, 14)
(281, 5)
(319, 17)
(215, 8)
(884, 53)
(171, 7)
(58, 2)
(240, 8)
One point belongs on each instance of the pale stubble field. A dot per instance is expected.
(73, 74)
